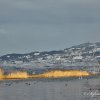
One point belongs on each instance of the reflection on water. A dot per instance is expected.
(48, 89)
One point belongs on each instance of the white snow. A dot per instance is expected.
(28, 56)
(18, 62)
(77, 57)
(96, 49)
(8, 56)
(36, 54)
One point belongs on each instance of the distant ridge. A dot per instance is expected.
(86, 53)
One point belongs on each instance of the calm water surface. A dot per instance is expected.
(47, 90)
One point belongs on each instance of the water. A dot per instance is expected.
(45, 89)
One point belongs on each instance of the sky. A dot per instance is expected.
(41, 25)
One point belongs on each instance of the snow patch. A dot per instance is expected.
(36, 54)
(77, 57)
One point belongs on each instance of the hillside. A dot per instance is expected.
(86, 54)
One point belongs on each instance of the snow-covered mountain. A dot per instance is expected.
(87, 54)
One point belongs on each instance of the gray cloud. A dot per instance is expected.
(28, 25)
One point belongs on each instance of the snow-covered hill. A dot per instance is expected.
(87, 54)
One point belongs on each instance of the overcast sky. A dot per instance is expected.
(40, 25)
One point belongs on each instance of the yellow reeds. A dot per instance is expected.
(49, 74)
(62, 73)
